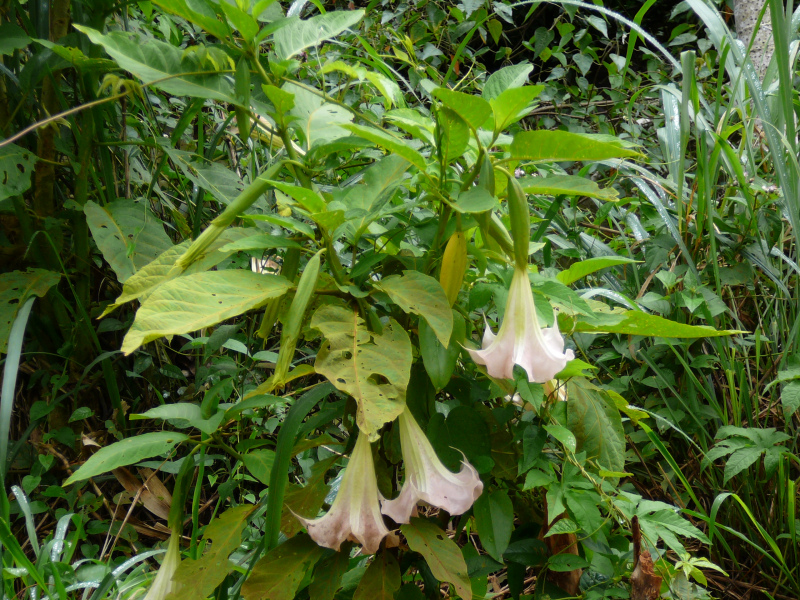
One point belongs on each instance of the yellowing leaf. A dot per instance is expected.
(440, 552)
(278, 575)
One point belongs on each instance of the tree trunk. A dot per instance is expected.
(746, 12)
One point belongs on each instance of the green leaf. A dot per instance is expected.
(224, 184)
(740, 460)
(15, 289)
(581, 269)
(475, 200)
(596, 424)
(307, 500)
(440, 552)
(127, 452)
(243, 22)
(512, 105)
(127, 233)
(554, 146)
(790, 395)
(197, 579)
(494, 517)
(177, 72)
(278, 575)
(328, 575)
(473, 109)
(308, 199)
(563, 435)
(259, 241)
(381, 580)
(513, 76)
(199, 12)
(16, 167)
(374, 368)
(421, 294)
(389, 142)
(259, 463)
(567, 185)
(78, 59)
(440, 361)
(200, 300)
(163, 269)
(454, 137)
(633, 322)
(12, 37)
(561, 563)
(300, 35)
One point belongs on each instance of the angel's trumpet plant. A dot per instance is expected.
(521, 340)
(162, 585)
(427, 479)
(355, 513)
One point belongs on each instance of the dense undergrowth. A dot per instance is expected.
(257, 233)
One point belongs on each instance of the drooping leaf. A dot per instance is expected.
(567, 185)
(596, 423)
(381, 580)
(127, 452)
(200, 300)
(197, 579)
(547, 145)
(790, 395)
(300, 35)
(440, 361)
(328, 575)
(440, 552)
(389, 142)
(374, 368)
(422, 295)
(163, 268)
(15, 289)
(16, 167)
(278, 575)
(581, 269)
(177, 72)
(127, 233)
(454, 137)
(633, 322)
(494, 517)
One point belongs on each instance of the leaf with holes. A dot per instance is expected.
(16, 166)
(422, 295)
(127, 233)
(440, 552)
(15, 288)
(200, 300)
(197, 579)
(374, 368)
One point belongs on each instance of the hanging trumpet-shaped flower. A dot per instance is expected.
(427, 479)
(521, 341)
(162, 585)
(355, 513)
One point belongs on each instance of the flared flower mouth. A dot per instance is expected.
(427, 479)
(162, 584)
(355, 513)
(521, 341)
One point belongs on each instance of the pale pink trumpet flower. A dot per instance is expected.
(427, 479)
(521, 341)
(355, 513)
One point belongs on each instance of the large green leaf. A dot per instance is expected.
(454, 137)
(16, 166)
(494, 517)
(77, 58)
(440, 360)
(300, 35)
(513, 76)
(512, 104)
(127, 233)
(563, 146)
(259, 463)
(634, 322)
(473, 109)
(12, 37)
(224, 184)
(389, 142)
(176, 71)
(328, 575)
(374, 368)
(127, 452)
(440, 552)
(581, 269)
(163, 268)
(200, 300)
(15, 288)
(199, 12)
(278, 575)
(475, 200)
(197, 579)
(381, 580)
(567, 185)
(423, 295)
(595, 422)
